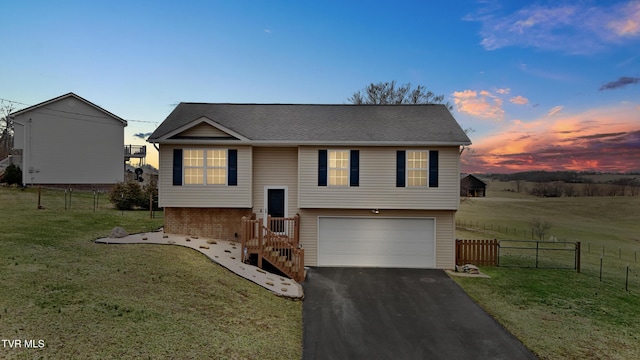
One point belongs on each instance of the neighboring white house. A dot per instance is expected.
(69, 141)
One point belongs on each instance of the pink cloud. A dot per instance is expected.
(578, 28)
(554, 111)
(519, 100)
(482, 104)
(606, 139)
(629, 22)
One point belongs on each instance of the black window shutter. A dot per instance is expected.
(401, 163)
(433, 168)
(322, 167)
(354, 171)
(233, 168)
(177, 167)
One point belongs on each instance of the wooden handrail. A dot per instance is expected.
(277, 241)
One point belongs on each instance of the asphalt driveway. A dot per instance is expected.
(373, 313)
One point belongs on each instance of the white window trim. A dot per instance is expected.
(265, 213)
(348, 168)
(406, 171)
(204, 167)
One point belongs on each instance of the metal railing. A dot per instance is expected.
(135, 150)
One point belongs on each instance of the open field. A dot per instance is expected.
(87, 300)
(561, 314)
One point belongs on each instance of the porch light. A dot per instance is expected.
(375, 211)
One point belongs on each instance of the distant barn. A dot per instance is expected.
(471, 186)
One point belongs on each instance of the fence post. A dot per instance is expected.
(537, 250)
(626, 282)
(578, 257)
(498, 251)
(600, 268)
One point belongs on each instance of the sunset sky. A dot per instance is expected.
(546, 85)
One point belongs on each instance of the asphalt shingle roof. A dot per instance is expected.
(431, 123)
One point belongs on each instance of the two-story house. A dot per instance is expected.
(374, 185)
(69, 141)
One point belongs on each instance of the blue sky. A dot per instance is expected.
(547, 85)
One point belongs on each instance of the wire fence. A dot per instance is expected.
(539, 254)
(606, 260)
(85, 200)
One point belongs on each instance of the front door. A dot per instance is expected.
(276, 208)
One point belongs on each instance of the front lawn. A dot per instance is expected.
(562, 314)
(88, 300)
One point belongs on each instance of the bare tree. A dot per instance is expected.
(620, 186)
(540, 227)
(387, 93)
(634, 187)
(519, 185)
(591, 189)
(570, 190)
(6, 129)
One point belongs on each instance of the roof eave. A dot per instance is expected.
(303, 143)
(47, 102)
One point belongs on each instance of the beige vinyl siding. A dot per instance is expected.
(204, 130)
(377, 188)
(275, 167)
(444, 223)
(215, 196)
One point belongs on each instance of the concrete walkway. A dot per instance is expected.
(225, 253)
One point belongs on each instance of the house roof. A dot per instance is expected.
(473, 179)
(44, 103)
(318, 124)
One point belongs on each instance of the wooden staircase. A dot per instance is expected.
(277, 242)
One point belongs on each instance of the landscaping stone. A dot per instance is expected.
(118, 232)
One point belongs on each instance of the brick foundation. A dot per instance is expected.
(217, 223)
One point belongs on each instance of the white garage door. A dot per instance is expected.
(377, 242)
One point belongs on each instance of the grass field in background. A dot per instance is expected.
(561, 314)
(88, 300)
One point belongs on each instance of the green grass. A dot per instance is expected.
(88, 300)
(562, 314)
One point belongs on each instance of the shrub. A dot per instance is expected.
(149, 189)
(13, 175)
(126, 195)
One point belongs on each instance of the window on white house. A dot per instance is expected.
(417, 168)
(339, 167)
(217, 167)
(205, 167)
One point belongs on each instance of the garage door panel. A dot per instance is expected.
(381, 242)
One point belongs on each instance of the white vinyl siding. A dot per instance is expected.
(205, 196)
(275, 167)
(377, 185)
(70, 142)
(203, 130)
